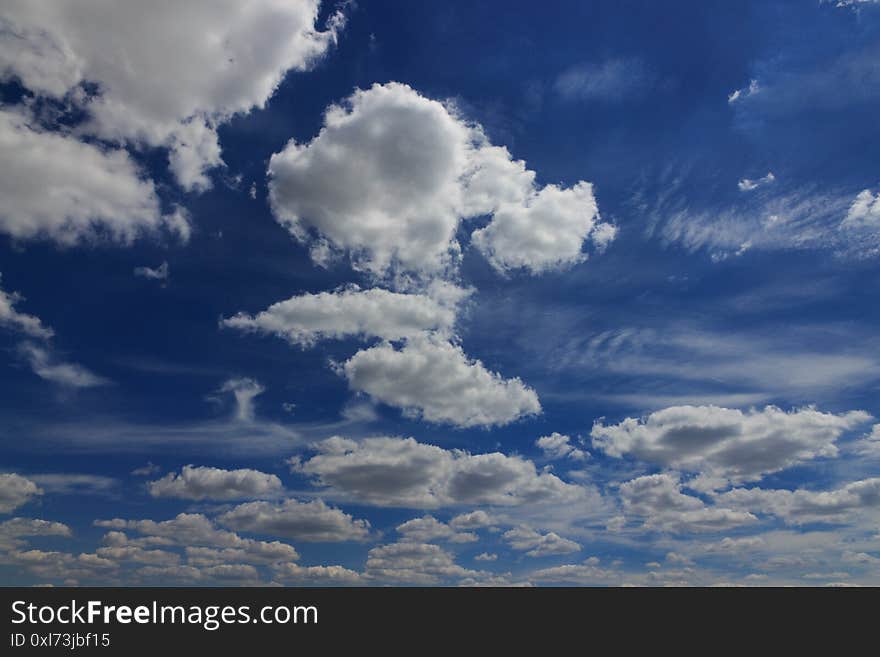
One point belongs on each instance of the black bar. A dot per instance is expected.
(383, 618)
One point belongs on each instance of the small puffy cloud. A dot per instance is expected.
(432, 379)
(68, 191)
(659, 501)
(20, 322)
(472, 520)
(391, 175)
(205, 543)
(139, 555)
(165, 75)
(804, 506)
(16, 491)
(203, 483)
(257, 552)
(160, 273)
(748, 185)
(535, 544)
(12, 531)
(739, 95)
(869, 445)
(586, 573)
(291, 573)
(864, 211)
(608, 81)
(727, 445)
(45, 365)
(405, 473)
(428, 528)
(183, 529)
(544, 232)
(243, 390)
(350, 311)
(414, 563)
(558, 446)
(312, 521)
(147, 470)
(486, 556)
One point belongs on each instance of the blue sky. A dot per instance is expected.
(436, 293)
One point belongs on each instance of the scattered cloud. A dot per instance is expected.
(428, 528)
(659, 501)
(243, 390)
(363, 188)
(748, 185)
(350, 311)
(414, 563)
(302, 521)
(727, 445)
(610, 81)
(433, 379)
(68, 191)
(558, 446)
(535, 544)
(46, 366)
(160, 273)
(215, 61)
(739, 95)
(15, 491)
(203, 483)
(12, 319)
(405, 473)
(804, 506)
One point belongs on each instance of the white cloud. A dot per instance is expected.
(75, 484)
(611, 80)
(748, 185)
(147, 470)
(194, 531)
(405, 473)
(864, 211)
(69, 191)
(183, 529)
(259, 552)
(317, 575)
(587, 573)
(432, 379)
(545, 231)
(350, 311)
(201, 483)
(166, 75)
(535, 544)
(804, 506)
(139, 555)
(391, 175)
(13, 530)
(472, 520)
(414, 563)
(302, 521)
(15, 491)
(558, 446)
(486, 556)
(428, 528)
(45, 365)
(659, 500)
(159, 273)
(868, 445)
(244, 390)
(741, 94)
(727, 445)
(14, 320)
